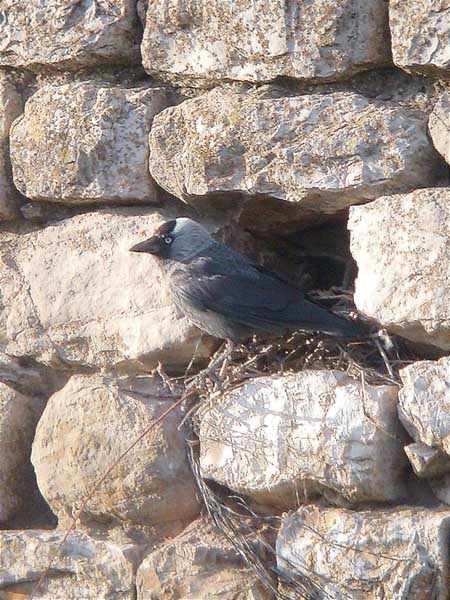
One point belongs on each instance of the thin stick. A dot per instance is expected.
(152, 425)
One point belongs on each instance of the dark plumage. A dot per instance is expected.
(226, 295)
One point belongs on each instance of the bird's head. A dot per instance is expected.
(180, 240)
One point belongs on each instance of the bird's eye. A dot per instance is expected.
(167, 239)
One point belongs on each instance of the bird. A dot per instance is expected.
(228, 296)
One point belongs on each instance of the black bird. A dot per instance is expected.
(226, 295)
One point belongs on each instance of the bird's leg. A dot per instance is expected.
(194, 356)
(214, 364)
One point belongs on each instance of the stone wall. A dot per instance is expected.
(278, 125)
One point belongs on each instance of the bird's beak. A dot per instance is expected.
(151, 246)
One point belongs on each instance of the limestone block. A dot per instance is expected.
(439, 126)
(420, 34)
(402, 248)
(317, 153)
(284, 439)
(400, 553)
(84, 143)
(68, 35)
(205, 41)
(86, 427)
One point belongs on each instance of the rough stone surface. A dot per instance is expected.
(281, 440)
(421, 35)
(207, 41)
(82, 568)
(321, 153)
(439, 125)
(86, 427)
(10, 108)
(402, 247)
(18, 417)
(199, 563)
(68, 35)
(84, 142)
(427, 461)
(74, 296)
(400, 553)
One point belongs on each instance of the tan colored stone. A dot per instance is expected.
(86, 427)
(19, 415)
(10, 108)
(320, 153)
(439, 126)
(400, 553)
(210, 40)
(420, 32)
(74, 296)
(402, 247)
(198, 564)
(83, 143)
(284, 439)
(81, 568)
(68, 35)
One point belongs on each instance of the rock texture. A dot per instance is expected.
(421, 36)
(18, 418)
(10, 108)
(281, 440)
(207, 41)
(84, 142)
(86, 427)
(199, 563)
(82, 568)
(398, 553)
(74, 296)
(439, 126)
(68, 35)
(402, 248)
(320, 152)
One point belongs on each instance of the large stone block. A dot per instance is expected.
(320, 153)
(81, 568)
(402, 248)
(87, 427)
(206, 41)
(74, 296)
(10, 108)
(19, 415)
(68, 35)
(439, 126)
(199, 563)
(284, 439)
(420, 32)
(401, 553)
(83, 143)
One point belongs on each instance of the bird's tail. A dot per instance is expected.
(313, 317)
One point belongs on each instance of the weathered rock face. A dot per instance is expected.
(281, 440)
(74, 296)
(199, 563)
(398, 553)
(320, 152)
(18, 417)
(439, 126)
(81, 568)
(402, 248)
(426, 460)
(68, 35)
(83, 142)
(10, 108)
(421, 35)
(205, 41)
(424, 409)
(86, 427)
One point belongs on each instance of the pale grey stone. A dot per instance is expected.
(439, 126)
(285, 439)
(427, 461)
(84, 142)
(68, 35)
(420, 32)
(400, 553)
(402, 247)
(320, 153)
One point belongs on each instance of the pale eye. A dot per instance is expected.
(167, 239)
